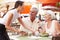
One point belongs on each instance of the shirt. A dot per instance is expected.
(51, 29)
(15, 16)
(27, 21)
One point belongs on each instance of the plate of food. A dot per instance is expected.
(34, 37)
(44, 34)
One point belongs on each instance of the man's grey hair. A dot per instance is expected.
(36, 9)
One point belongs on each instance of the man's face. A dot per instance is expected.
(33, 13)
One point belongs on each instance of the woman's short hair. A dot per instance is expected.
(51, 13)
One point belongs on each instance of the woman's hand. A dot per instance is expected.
(54, 34)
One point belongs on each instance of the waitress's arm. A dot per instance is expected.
(8, 21)
(25, 26)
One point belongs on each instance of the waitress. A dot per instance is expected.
(10, 17)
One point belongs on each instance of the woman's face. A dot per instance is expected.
(47, 17)
(21, 8)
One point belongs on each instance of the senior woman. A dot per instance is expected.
(52, 27)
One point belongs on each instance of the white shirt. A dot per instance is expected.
(58, 16)
(51, 29)
(15, 16)
(27, 21)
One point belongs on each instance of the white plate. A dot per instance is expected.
(34, 37)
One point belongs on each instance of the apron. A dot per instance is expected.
(3, 33)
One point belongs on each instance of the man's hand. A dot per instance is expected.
(36, 33)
